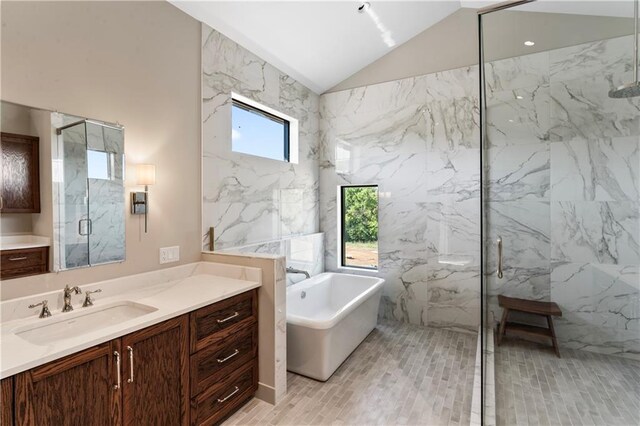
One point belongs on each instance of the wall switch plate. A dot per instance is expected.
(169, 254)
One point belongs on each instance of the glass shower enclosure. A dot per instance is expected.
(560, 211)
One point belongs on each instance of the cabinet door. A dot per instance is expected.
(75, 390)
(20, 174)
(156, 375)
(6, 402)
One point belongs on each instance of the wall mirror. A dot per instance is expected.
(62, 202)
(88, 192)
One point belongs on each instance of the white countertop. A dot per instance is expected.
(15, 242)
(171, 298)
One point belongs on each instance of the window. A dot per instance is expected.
(100, 165)
(259, 132)
(359, 226)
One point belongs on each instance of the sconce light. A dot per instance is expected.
(145, 175)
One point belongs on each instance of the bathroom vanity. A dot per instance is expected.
(181, 352)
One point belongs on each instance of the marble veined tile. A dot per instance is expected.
(374, 133)
(402, 227)
(581, 108)
(453, 296)
(595, 170)
(453, 232)
(522, 281)
(610, 59)
(595, 232)
(453, 124)
(600, 295)
(451, 84)
(518, 116)
(227, 67)
(399, 175)
(239, 224)
(516, 73)
(518, 172)
(453, 175)
(524, 227)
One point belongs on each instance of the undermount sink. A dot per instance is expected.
(82, 321)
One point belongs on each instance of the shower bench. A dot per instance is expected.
(534, 307)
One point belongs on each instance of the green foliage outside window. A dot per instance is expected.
(361, 214)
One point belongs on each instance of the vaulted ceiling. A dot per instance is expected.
(321, 43)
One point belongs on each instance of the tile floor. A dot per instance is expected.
(534, 387)
(400, 374)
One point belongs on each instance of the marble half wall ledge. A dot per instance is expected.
(272, 319)
(305, 252)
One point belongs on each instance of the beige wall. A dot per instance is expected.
(453, 42)
(137, 63)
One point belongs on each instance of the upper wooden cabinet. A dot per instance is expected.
(20, 185)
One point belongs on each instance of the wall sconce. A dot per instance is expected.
(145, 175)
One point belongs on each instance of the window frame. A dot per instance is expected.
(290, 124)
(341, 218)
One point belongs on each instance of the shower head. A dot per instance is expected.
(628, 90)
(632, 89)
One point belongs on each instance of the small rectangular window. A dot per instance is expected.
(359, 226)
(100, 165)
(258, 132)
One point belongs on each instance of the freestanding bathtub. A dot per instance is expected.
(328, 316)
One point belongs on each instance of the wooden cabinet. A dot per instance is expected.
(224, 357)
(20, 185)
(156, 384)
(144, 378)
(24, 262)
(6, 402)
(75, 390)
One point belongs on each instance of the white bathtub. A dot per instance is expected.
(328, 316)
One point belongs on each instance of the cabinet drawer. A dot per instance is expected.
(22, 272)
(217, 403)
(223, 319)
(213, 363)
(16, 259)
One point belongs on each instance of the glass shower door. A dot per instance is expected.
(105, 180)
(561, 212)
(73, 210)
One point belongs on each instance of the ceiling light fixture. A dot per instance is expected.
(529, 43)
(387, 38)
(364, 6)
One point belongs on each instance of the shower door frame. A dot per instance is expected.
(483, 130)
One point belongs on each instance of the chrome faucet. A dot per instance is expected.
(291, 270)
(67, 297)
(88, 300)
(44, 312)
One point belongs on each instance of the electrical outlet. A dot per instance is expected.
(169, 254)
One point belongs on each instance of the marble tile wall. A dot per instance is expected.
(304, 252)
(418, 140)
(562, 190)
(250, 199)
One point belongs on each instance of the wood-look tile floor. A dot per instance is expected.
(400, 374)
(534, 387)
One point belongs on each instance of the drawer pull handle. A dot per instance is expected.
(117, 355)
(130, 379)
(15, 259)
(235, 391)
(235, 314)
(225, 359)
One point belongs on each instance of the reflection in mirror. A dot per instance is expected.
(89, 194)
